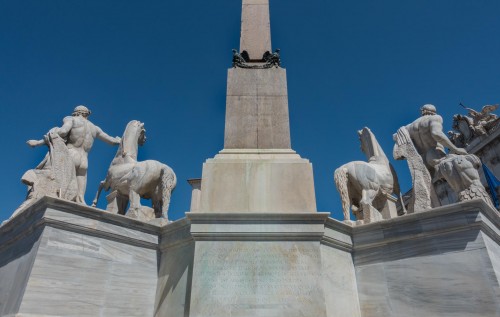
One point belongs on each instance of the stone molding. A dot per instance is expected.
(474, 214)
(257, 226)
(71, 216)
(49, 211)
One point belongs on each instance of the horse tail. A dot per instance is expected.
(341, 178)
(168, 183)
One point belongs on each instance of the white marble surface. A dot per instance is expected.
(252, 182)
(264, 278)
(58, 258)
(437, 263)
(80, 275)
(253, 264)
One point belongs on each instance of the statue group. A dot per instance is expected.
(371, 189)
(63, 171)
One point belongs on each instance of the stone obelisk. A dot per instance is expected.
(257, 171)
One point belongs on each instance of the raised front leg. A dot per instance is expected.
(101, 186)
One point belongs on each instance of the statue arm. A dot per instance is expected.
(66, 127)
(438, 135)
(34, 143)
(101, 135)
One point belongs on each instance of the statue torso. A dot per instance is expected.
(82, 134)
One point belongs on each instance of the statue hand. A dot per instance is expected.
(32, 143)
(118, 140)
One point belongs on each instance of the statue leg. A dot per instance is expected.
(81, 179)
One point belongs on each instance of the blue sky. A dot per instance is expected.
(350, 64)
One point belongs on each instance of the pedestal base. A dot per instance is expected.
(257, 181)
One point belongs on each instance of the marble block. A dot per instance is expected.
(257, 181)
(257, 265)
(257, 109)
(175, 270)
(442, 262)
(66, 259)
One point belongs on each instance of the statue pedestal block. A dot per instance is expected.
(257, 181)
(59, 258)
(256, 264)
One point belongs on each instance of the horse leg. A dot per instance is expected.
(98, 194)
(121, 202)
(157, 202)
(135, 201)
(370, 214)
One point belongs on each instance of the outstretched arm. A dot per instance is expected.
(34, 143)
(101, 135)
(437, 133)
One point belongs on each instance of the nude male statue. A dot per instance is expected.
(429, 139)
(79, 133)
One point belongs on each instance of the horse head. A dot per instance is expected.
(369, 144)
(134, 135)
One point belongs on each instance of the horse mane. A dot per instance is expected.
(128, 145)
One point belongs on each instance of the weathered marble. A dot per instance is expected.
(257, 265)
(175, 270)
(257, 181)
(79, 134)
(366, 187)
(66, 259)
(60, 258)
(461, 173)
(338, 274)
(133, 180)
(436, 263)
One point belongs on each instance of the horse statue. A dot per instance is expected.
(367, 187)
(131, 180)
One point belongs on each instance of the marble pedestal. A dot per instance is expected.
(257, 265)
(441, 262)
(263, 181)
(58, 258)
(63, 259)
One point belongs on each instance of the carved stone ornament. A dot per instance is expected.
(475, 124)
(269, 60)
(461, 173)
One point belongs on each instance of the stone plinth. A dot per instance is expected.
(257, 109)
(442, 262)
(257, 265)
(257, 181)
(63, 259)
(59, 258)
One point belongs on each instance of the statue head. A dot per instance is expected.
(81, 111)
(428, 110)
